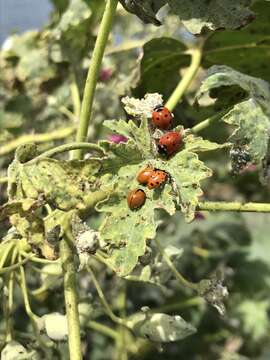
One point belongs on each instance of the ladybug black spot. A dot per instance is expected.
(157, 118)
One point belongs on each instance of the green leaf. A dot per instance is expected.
(35, 66)
(157, 271)
(197, 14)
(119, 155)
(125, 247)
(146, 10)
(62, 184)
(139, 134)
(254, 317)
(160, 327)
(186, 171)
(251, 117)
(198, 144)
(76, 12)
(246, 50)
(161, 61)
(259, 227)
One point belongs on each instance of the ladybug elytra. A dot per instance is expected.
(136, 199)
(162, 117)
(144, 175)
(157, 179)
(170, 143)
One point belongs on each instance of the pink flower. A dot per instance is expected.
(117, 138)
(105, 74)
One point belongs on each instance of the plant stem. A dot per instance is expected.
(205, 123)
(196, 56)
(195, 301)
(233, 206)
(3, 180)
(177, 274)
(36, 138)
(75, 95)
(67, 147)
(103, 329)
(103, 300)
(93, 72)
(121, 342)
(8, 305)
(70, 291)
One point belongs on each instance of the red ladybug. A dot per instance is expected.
(170, 143)
(157, 179)
(144, 175)
(136, 199)
(162, 117)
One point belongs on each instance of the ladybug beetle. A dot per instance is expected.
(144, 175)
(136, 198)
(157, 179)
(170, 143)
(162, 117)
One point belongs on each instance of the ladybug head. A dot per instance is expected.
(158, 108)
(163, 150)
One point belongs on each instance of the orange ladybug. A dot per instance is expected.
(157, 179)
(144, 175)
(162, 117)
(136, 199)
(170, 143)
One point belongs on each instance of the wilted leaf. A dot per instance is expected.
(142, 108)
(250, 117)
(63, 184)
(14, 350)
(160, 327)
(56, 326)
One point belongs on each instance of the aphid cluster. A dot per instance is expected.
(168, 144)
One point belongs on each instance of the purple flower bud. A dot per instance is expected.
(117, 138)
(105, 74)
(199, 216)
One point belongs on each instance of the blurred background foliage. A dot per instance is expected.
(42, 78)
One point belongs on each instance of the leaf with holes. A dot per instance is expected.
(251, 116)
(125, 231)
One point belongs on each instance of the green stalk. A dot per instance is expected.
(36, 138)
(70, 291)
(196, 56)
(103, 300)
(93, 72)
(207, 122)
(3, 180)
(233, 206)
(177, 274)
(67, 147)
